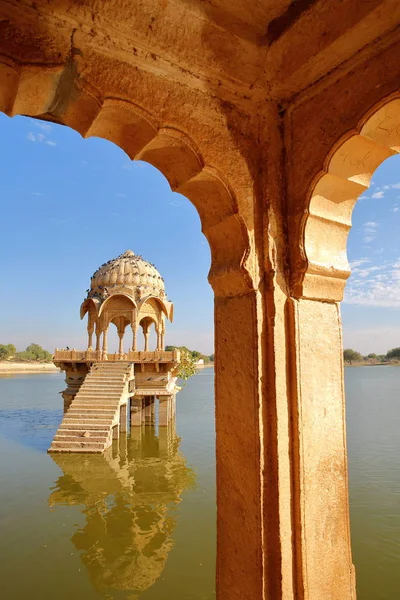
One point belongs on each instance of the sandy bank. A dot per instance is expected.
(9, 368)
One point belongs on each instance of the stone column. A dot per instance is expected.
(115, 432)
(98, 336)
(152, 411)
(144, 410)
(90, 338)
(136, 412)
(162, 337)
(123, 418)
(134, 338)
(147, 410)
(163, 408)
(105, 344)
(146, 340)
(158, 339)
(320, 491)
(120, 349)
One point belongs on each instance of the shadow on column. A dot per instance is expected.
(127, 496)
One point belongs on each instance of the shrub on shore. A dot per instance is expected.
(32, 353)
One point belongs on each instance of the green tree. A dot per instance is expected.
(186, 367)
(3, 352)
(6, 351)
(374, 356)
(350, 355)
(34, 352)
(394, 353)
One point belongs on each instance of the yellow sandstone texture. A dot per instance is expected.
(271, 118)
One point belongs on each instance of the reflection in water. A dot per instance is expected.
(128, 497)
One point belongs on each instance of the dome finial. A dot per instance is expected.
(127, 254)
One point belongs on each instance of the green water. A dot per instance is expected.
(139, 522)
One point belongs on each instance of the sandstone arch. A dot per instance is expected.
(57, 94)
(39, 92)
(166, 307)
(127, 302)
(348, 172)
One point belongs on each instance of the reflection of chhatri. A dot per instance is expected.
(128, 499)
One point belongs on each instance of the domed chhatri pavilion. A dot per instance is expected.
(127, 291)
(103, 389)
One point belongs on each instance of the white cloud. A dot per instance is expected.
(377, 195)
(39, 138)
(354, 264)
(43, 126)
(35, 137)
(371, 224)
(393, 186)
(375, 286)
(369, 231)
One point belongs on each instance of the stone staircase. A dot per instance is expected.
(88, 424)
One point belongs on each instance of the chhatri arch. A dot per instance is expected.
(244, 128)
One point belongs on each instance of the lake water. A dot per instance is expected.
(139, 522)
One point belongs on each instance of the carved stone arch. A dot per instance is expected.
(42, 92)
(113, 298)
(166, 308)
(347, 174)
(88, 305)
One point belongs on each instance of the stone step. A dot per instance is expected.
(99, 432)
(92, 411)
(111, 366)
(76, 451)
(79, 437)
(88, 422)
(105, 382)
(68, 446)
(82, 427)
(97, 404)
(113, 373)
(84, 417)
(102, 396)
(112, 377)
(101, 392)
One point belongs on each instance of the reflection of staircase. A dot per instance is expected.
(87, 425)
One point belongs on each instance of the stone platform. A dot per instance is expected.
(102, 394)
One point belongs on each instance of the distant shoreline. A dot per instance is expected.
(11, 368)
(377, 364)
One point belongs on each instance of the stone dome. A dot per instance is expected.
(129, 271)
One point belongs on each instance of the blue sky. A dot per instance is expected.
(69, 205)
(371, 307)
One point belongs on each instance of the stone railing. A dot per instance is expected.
(97, 355)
